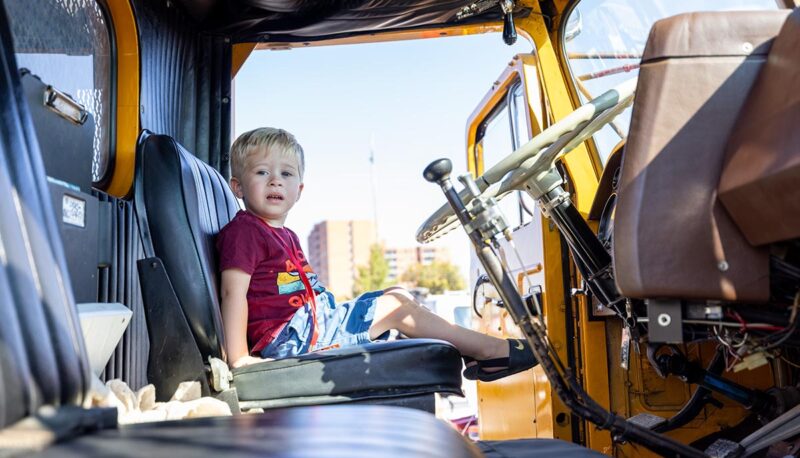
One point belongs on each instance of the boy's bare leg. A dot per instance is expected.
(397, 309)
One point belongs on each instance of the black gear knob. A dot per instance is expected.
(438, 170)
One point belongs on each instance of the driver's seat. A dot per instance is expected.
(181, 203)
(673, 240)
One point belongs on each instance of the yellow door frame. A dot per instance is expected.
(127, 96)
(552, 418)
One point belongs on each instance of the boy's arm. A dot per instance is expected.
(235, 283)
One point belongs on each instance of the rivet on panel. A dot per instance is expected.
(747, 47)
(723, 266)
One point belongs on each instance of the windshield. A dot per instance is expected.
(604, 40)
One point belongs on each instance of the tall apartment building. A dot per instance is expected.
(400, 259)
(336, 249)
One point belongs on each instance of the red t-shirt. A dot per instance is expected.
(276, 290)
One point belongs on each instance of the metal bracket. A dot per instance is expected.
(475, 8)
(65, 106)
(221, 376)
(551, 204)
(664, 321)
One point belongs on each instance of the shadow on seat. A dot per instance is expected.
(181, 204)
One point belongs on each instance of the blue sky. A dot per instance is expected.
(412, 98)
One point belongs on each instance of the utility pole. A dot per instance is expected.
(374, 185)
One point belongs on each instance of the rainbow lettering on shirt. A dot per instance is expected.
(290, 282)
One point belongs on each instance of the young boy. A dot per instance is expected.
(274, 307)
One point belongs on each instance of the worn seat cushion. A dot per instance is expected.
(319, 431)
(377, 370)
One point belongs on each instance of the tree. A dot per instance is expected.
(438, 277)
(372, 277)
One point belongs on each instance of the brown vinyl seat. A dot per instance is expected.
(760, 184)
(672, 237)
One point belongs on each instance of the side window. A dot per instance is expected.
(504, 130)
(67, 44)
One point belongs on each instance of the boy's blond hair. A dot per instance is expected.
(264, 139)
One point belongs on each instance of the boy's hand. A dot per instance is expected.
(247, 360)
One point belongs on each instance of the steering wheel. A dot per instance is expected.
(536, 159)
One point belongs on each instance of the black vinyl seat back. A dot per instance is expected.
(42, 356)
(187, 202)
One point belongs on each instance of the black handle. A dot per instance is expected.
(438, 170)
(509, 29)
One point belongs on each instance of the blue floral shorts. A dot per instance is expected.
(340, 325)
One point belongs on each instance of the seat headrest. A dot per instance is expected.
(759, 184)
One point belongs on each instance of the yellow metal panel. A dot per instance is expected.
(554, 83)
(127, 122)
(584, 177)
(554, 310)
(507, 408)
(595, 370)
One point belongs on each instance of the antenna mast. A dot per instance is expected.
(374, 185)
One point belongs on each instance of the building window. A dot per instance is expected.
(67, 44)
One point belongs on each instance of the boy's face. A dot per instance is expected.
(270, 185)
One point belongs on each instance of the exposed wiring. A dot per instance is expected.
(729, 324)
(482, 279)
(789, 329)
(783, 358)
(745, 326)
(743, 342)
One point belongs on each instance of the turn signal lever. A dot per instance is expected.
(480, 228)
(479, 214)
(438, 172)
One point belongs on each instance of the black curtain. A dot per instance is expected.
(185, 81)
